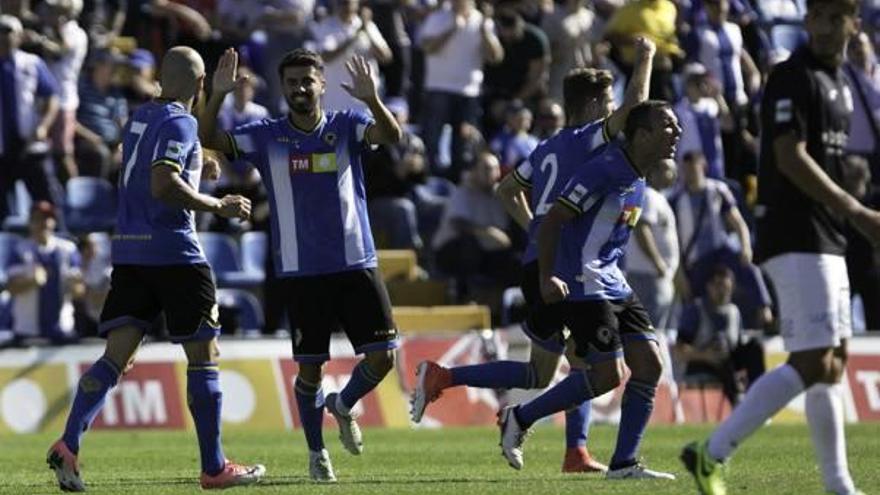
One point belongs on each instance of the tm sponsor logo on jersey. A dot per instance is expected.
(315, 163)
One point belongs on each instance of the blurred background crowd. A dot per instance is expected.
(476, 85)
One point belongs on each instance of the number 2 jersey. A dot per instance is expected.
(606, 193)
(148, 231)
(550, 166)
(316, 188)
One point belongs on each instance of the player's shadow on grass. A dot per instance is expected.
(303, 480)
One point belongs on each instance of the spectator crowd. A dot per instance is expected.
(475, 85)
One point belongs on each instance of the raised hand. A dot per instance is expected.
(226, 75)
(645, 48)
(362, 86)
(235, 206)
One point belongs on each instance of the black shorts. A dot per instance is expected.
(355, 302)
(599, 328)
(186, 293)
(544, 323)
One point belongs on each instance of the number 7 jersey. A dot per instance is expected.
(148, 231)
(550, 166)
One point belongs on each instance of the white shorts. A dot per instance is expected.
(814, 304)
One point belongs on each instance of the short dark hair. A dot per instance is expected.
(641, 116)
(583, 84)
(300, 58)
(852, 4)
(721, 271)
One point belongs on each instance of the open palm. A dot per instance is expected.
(362, 85)
(226, 74)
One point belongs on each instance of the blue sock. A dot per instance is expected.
(635, 411)
(205, 401)
(568, 393)
(361, 382)
(93, 387)
(498, 374)
(577, 425)
(310, 402)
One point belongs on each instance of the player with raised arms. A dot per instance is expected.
(528, 194)
(324, 253)
(580, 242)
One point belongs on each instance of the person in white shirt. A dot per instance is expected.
(571, 31)
(457, 40)
(64, 46)
(349, 32)
(44, 277)
(651, 261)
(703, 114)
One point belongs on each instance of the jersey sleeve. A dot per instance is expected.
(592, 135)
(360, 122)
(649, 215)
(245, 141)
(786, 102)
(583, 189)
(175, 140)
(522, 174)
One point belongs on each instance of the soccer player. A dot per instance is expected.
(802, 211)
(590, 122)
(159, 266)
(324, 252)
(597, 209)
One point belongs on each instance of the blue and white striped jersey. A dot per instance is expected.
(149, 232)
(316, 188)
(550, 166)
(45, 311)
(606, 193)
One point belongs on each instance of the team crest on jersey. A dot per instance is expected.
(330, 138)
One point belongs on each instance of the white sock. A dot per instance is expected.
(768, 394)
(824, 404)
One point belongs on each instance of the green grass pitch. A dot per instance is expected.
(777, 460)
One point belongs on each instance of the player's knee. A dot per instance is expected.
(543, 374)
(648, 365)
(838, 365)
(605, 377)
(201, 351)
(543, 367)
(813, 366)
(380, 362)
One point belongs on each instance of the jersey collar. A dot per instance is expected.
(629, 161)
(307, 132)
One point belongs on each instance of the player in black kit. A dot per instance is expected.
(801, 214)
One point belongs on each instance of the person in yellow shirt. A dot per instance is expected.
(656, 20)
